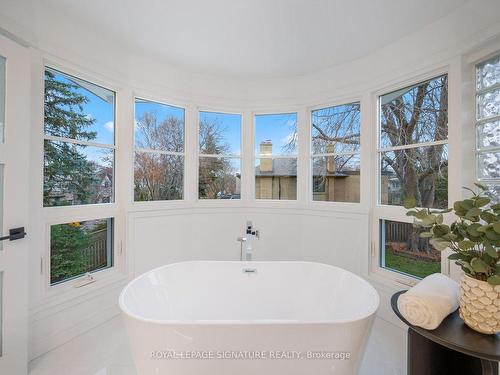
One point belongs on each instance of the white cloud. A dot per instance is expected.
(109, 126)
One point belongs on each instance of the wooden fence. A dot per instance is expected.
(397, 232)
(96, 253)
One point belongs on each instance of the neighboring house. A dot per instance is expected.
(277, 179)
(104, 193)
(101, 192)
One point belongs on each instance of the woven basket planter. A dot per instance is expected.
(480, 305)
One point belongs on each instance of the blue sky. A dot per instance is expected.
(230, 126)
(97, 109)
(162, 112)
(278, 128)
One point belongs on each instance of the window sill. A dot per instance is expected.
(65, 294)
(391, 280)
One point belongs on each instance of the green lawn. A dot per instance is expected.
(416, 267)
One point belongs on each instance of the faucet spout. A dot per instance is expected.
(241, 240)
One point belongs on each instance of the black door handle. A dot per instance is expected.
(14, 234)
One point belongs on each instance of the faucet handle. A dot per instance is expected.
(241, 239)
(257, 234)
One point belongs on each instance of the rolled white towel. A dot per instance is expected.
(430, 301)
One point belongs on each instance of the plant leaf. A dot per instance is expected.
(465, 266)
(494, 279)
(429, 219)
(482, 187)
(496, 227)
(488, 217)
(466, 204)
(410, 202)
(440, 230)
(478, 265)
(473, 213)
(482, 201)
(465, 245)
(492, 235)
(421, 214)
(472, 230)
(490, 250)
(482, 228)
(439, 244)
(425, 235)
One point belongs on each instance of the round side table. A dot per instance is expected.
(451, 348)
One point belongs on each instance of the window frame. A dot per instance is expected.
(168, 202)
(312, 155)
(63, 214)
(199, 155)
(296, 156)
(394, 212)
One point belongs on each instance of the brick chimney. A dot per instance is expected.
(266, 150)
(330, 159)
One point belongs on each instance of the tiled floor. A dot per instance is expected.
(105, 351)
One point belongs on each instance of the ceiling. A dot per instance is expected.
(254, 38)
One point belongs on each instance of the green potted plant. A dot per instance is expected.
(474, 241)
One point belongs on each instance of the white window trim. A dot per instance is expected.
(79, 142)
(397, 213)
(413, 145)
(164, 203)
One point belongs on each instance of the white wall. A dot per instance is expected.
(287, 234)
(159, 234)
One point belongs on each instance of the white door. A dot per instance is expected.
(14, 166)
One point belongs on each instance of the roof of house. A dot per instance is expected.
(287, 167)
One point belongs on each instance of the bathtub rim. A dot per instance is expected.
(246, 322)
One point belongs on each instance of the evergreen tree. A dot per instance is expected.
(67, 242)
(66, 168)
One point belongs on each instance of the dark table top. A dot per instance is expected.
(454, 334)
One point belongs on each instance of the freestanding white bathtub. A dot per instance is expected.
(248, 318)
